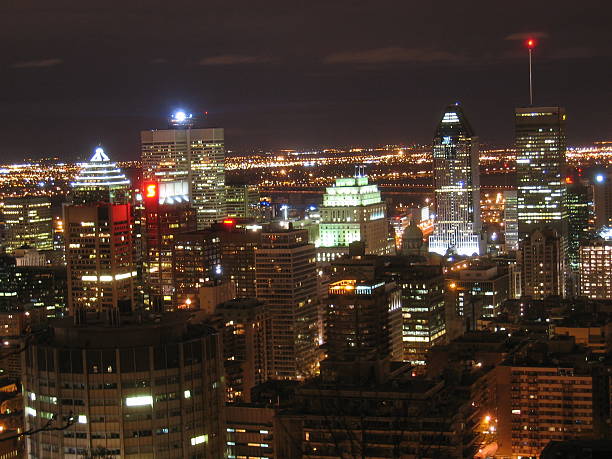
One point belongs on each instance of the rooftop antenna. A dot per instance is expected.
(531, 44)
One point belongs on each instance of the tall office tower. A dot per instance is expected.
(167, 213)
(476, 289)
(148, 387)
(185, 152)
(457, 186)
(242, 325)
(540, 168)
(285, 265)
(602, 199)
(8, 283)
(542, 263)
(242, 201)
(364, 314)
(27, 221)
(239, 240)
(596, 267)
(196, 263)
(98, 238)
(544, 395)
(579, 208)
(353, 210)
(423, 308)
(100, 181)
(511, 232)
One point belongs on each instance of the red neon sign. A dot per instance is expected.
(151, 190)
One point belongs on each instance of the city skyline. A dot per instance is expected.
(287, 231)
(286, 84)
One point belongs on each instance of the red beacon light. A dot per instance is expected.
(530, 43)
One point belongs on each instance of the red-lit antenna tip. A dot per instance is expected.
(531, 43)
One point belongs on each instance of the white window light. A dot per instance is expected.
(199, 439)
(187, 394)
(30, 411)
(141, 400)
(82, 419)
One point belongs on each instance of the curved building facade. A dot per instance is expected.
(149, 388)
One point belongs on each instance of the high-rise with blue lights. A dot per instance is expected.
(457, 186)
(540, 164)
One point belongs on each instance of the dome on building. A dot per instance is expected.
(412, 239)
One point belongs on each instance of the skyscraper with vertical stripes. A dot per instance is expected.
(457, 186)
(540, 163)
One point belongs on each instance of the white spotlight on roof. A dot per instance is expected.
(180, 116)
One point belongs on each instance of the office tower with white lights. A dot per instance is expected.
(543, 264)
(242, 200)
(511, 233)
(184, 151)
(167, 213)
(457, 186)
(540, 167)
(286, 279)
(28, 222)
(596, 266)
(98, 236)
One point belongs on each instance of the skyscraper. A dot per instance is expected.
(28, 222)
(457, 186)
(287, 283)
(167, 213)
(98, 238)
(364, 314)
(602, 199)
(543, 264)
(151, 386)
(511, 233)
(596, 267)
(185, 152)
(353, 210)
(423, 308)
(540, 167)
(580, 218)
(242, 201)
(196, 263)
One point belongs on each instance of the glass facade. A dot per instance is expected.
(197, 155)
(457, 186)
(540, 164)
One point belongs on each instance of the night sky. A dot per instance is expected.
(293, 74)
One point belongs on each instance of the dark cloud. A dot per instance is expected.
(284, 73)
(526, 35)
(234, 59)
(41, 63)
(579, 52)
(392, 54)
